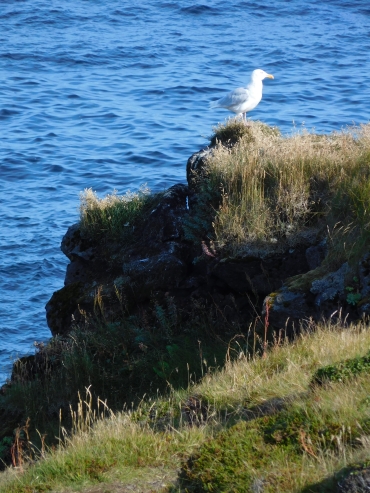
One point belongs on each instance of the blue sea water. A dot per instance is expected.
(114, 94)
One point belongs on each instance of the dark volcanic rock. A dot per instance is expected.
(165, 221)
(324, 296)
(364, 282)
(158, 272)
(63, 308)
(158, 261)
(155, 262)
(316, 254)
(357, 481)
(285, 309)
(260, 275)
(195, 165)
(330, 286)
(79, 252)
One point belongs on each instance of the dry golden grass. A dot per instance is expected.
(288, 368)
(277, 188)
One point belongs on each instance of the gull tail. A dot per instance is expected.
(214, 104)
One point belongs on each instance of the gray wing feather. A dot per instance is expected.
(238, 96)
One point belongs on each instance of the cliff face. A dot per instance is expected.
(286, 285)
(155, 264)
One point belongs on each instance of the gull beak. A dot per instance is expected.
(270, 76)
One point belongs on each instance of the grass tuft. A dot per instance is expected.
(113, 217)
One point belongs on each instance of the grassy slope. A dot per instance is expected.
(320, 431)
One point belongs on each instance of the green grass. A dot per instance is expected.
(321, 430)
(262, 423)
(343, 370)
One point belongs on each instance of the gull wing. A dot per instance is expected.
(234, 98)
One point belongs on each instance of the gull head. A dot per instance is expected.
(259, 74)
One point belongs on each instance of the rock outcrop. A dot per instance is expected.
(163, 262)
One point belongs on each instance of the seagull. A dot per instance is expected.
(244, 99)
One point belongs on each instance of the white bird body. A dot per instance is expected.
(244, 99)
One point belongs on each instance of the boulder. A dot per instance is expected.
(285, 309)
(321, 295)
(259, 274)
(364, 282)
(64, 308)
(330, 286)
(159, 272)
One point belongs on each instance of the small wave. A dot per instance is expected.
(56, 168)
(200, 9)
(169, 5)
(6, 113)
(125, 13)
(97, 116)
